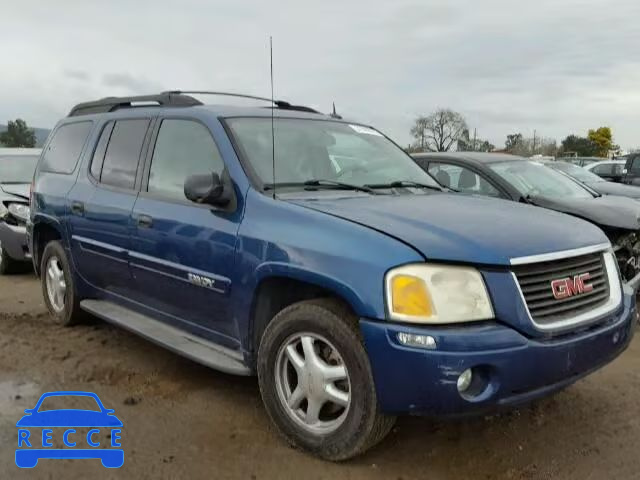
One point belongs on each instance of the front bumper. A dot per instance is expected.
(14, 241)
(518, 369)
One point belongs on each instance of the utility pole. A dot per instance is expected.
(475, 134)
(534, 142)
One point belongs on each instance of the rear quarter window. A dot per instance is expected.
(63, 151)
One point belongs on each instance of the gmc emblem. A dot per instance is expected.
(570, 286)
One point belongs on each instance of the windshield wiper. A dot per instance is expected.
(404, 183)
(323, 184)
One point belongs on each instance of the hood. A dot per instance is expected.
(69, 418)
(460, 228)
(17, 189)
(605, 211)
(612, 188)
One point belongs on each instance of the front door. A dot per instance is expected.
(182, 254)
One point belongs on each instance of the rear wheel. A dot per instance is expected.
(7, 264)
(58, 286)
(316, 381)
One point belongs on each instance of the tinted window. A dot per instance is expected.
(183, 148)
(462, 179)
(604, 169)
(101, 148)
(123, 152)
(635, 166)
(63, 151)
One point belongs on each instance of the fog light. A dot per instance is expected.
(420, 341)
(464, 380)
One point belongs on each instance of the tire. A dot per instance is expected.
(66, 310)
(349, 430)
(7, 264)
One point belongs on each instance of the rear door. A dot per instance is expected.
(101, 205)
(182, 253)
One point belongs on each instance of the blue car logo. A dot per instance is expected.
(40, 427)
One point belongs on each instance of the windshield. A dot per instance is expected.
(532, 178)
(579, 173)
(17, 168)
(308, 150)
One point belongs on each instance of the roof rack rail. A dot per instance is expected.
(278, 103)
(109, 104)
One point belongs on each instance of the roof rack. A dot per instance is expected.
(109, 104)
(278, 103)
(173, 98)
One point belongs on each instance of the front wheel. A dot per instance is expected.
(316, 381)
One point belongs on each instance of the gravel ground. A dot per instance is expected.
(182, 420)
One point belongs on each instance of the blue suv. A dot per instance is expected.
(313, 252)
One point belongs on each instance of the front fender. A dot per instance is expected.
(323, 280)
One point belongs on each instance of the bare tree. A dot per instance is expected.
(439, 131)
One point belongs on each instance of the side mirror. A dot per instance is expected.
(206, 189)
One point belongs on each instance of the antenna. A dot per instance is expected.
(273, 131)
(334, 114)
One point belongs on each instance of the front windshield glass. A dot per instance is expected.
(532, 179)
(17, 168)
(576, 172)
(307, 150)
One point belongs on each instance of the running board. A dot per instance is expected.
(195, 348)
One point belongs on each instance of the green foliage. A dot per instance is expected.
(18, 134)
(468, 144)
(603, 139)
(580, 146)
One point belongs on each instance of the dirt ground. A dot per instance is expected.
(182, 420)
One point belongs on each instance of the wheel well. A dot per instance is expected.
(42, 235)
(275, 294)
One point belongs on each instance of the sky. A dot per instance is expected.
(557, 67)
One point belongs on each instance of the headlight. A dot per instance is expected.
(437, 294)
(3, 210)
(19, 210)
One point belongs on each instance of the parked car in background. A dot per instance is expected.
(581, 161)
(16, 173)
(611, 170)
(352, 285)
(632, 169)
(522, 180)
(595, 182)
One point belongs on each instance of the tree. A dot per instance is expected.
(581, 146)
(439, 131)
(467, 144)
(603, 139)
(18, 134)
(514, 143)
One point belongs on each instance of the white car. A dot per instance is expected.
(612, 170)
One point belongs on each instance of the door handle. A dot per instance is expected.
(145, 221)
(77, 208)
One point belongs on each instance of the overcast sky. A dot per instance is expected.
(559, 66)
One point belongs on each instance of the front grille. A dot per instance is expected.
(535, 282)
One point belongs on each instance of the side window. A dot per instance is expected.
(183, 148)
(635, 165)
(604, 169)
(618, 169)
(64, 149)
(123, 153)
(101, 148)
(462, 179)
